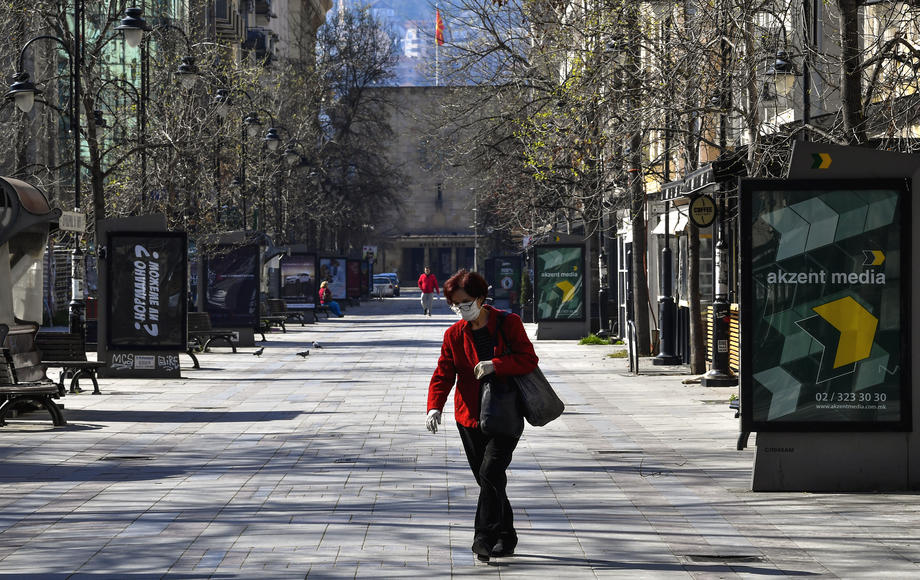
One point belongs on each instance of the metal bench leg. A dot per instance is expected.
(191, 353)
(57, 417)
(92, 377)
(61, 383)
(75, 382)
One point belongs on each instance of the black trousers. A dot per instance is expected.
(489, 457)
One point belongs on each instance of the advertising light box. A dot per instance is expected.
(825, 305)
(147, 290)
(232, 293)
(298, 279)
(333, 271)
(560, 282)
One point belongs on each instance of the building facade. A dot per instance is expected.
(435, 222)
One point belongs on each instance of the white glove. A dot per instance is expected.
(483, 368)
(434, 419)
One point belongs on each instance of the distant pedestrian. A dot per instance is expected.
(428, 284)
(473, 349)
(325, 299)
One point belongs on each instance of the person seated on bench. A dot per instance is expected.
(325, 299)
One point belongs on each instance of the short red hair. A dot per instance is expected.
(470, 282)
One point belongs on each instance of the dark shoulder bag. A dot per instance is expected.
(540, 403)
(499, 408)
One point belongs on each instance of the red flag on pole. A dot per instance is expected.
(438, 28)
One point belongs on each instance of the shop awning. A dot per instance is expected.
(22, 206)
(677, 222)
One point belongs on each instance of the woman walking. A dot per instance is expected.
(474, 348)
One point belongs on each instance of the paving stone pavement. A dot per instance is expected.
(286, 467)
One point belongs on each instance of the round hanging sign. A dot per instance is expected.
(702, 211)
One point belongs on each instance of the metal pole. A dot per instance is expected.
(142, 119)
(666, 310)
(806, 73)
(666, 326)
(77, 306)
(720, 374)
(243, 174)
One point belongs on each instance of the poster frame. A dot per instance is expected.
(312, 298)
(339, 291)
(536, 267)
(180, 346)
(747, 306)
(353, 283)
(253, 318)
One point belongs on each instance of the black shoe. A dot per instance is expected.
(482, 548)
(503, 548)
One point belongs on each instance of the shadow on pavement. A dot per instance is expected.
(190, 416)
(520, 562)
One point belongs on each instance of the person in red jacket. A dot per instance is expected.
(428, 284)
(469, 353)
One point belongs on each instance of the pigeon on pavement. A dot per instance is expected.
(304, 354)
(258, 352)
(317, 345)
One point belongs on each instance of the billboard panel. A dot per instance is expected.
(298, 279)
(353, 278)
(147, 273)
(333, 271)
(560, 281)
(232, 293)
(506, 278)
(825, 299)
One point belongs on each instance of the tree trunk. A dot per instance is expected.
(639, 246)
(854, 122)
(697, 332)
(95, 157)
(637, 188)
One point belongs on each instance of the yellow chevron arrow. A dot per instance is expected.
(879, 258)
(568, 290)
(857, 329)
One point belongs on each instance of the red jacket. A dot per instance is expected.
(458, 357)
(427, 283)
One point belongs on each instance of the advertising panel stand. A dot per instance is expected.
(828, 322)
(143, 272)
(233, 274)
(561, 284)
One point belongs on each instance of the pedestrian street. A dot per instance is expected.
(319, 466)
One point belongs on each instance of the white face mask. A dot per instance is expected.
(468, 311)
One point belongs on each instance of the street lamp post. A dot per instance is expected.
(250, 128)
(133, 27)
(23, 93)
(720, 373)
(666, 325)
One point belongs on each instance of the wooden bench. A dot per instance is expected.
(269, 320)
(278, 307)
(305, 309)
(202, 334)
(68, 351)
(14, 392)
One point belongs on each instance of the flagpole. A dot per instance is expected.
(437, 47)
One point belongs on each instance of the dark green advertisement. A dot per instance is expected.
(507, 278)
(560, 288)
(825, 300)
